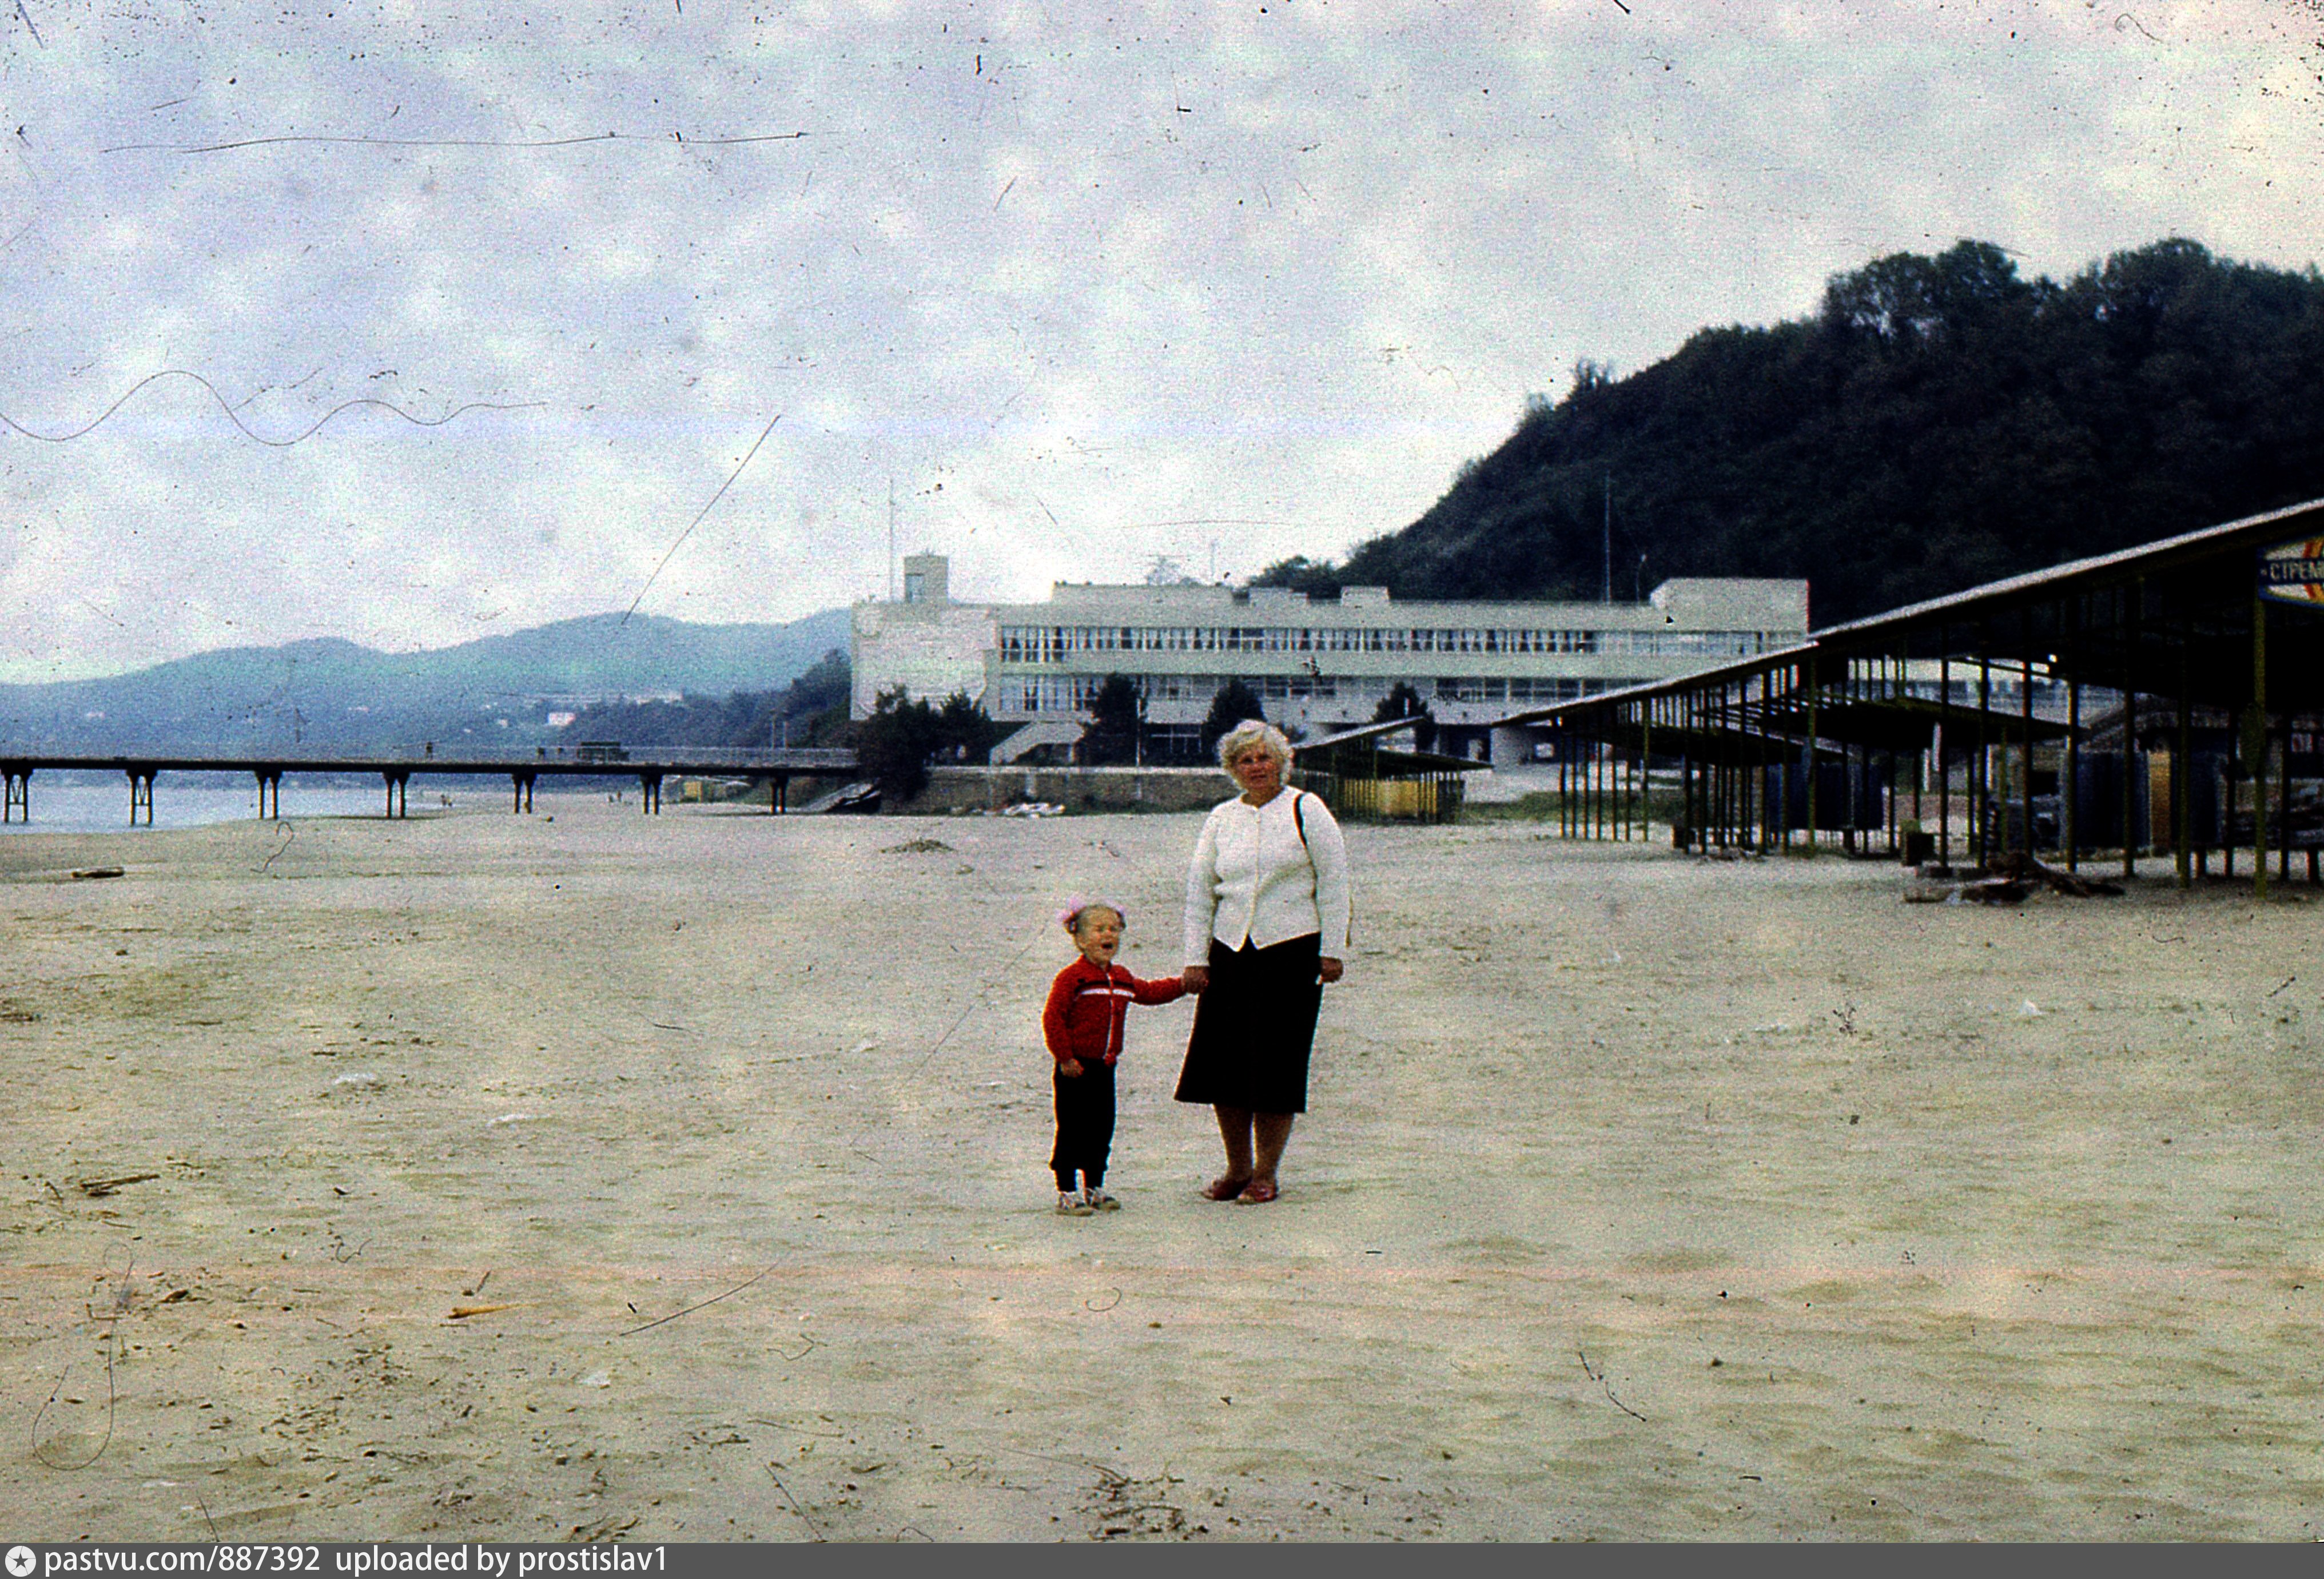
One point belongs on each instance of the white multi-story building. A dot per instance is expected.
(1316, 665)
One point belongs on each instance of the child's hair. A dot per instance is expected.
(1070, 917)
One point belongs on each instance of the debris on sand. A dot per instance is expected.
(916, 847)
(2024, 868)
(98, 1187)
(1976, 891)
(2005, 882)
(463, 1312)
(93, 873)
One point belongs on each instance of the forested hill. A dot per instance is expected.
(1938, 423)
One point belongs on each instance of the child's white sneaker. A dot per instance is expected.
(1097, 1200)
(1070, 1205)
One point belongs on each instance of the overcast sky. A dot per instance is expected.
(1090, 284)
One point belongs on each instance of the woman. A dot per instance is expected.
(1266, 925)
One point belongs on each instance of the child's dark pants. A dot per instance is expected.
(1085, 1124)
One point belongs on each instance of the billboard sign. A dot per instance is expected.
(2293, 572)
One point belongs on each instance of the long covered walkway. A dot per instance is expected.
(2165, 699)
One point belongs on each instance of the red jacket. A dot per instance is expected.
(1087, 1006)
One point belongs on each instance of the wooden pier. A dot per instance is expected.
(773, 767)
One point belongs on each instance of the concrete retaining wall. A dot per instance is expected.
(976, 789)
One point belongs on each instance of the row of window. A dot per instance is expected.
(1054, 643)
(1074, 693)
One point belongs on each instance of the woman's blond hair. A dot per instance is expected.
(1255, 732)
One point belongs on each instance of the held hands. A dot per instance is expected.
(1330, 969)
(1071, 1069)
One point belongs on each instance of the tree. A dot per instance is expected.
(1402, 702)
(1938, 422)
(812, 707)
(813, 711)
(1315, 577)
(893, 745)
(1117, 718)
(1234, 703)
(965, 731)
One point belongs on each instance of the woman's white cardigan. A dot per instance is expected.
(1254, 878)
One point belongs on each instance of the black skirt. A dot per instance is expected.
(1254, 1027)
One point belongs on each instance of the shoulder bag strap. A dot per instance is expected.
(1299, 821)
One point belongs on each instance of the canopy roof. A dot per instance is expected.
(2176, 617)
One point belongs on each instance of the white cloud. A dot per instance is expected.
(1228, 282)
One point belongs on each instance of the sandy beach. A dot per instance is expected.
(1641, 1197)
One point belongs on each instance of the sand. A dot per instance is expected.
(1641, 1197)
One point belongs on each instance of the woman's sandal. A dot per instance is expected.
(1258, 1192)
(1225, 1189)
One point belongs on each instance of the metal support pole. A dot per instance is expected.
(1592, 796)
(1599, 765)
(1921, 776)
(1775, 826)
(1618, 784)
(2257, 735)
(2284, 805)
(2182, 769)
(1889, 796)
(2070, 789)
(1981, 834)
(1811, 754)
(1689, 800)
(1716, 783)
(1944, 767)
(2026, 726)
(2135, 601)
(1646, 770)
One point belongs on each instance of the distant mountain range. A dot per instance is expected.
(489, 695)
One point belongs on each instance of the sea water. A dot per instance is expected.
(98, 803)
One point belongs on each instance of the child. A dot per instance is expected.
(1083, 1024)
